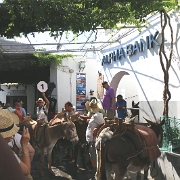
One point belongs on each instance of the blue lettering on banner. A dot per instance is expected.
(131, 49)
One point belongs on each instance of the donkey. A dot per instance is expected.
(45, 136)
(81, 148)
(124, 151)
(105, 133)
(135, 110)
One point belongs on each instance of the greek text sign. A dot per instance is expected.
(131, 49)
(17, 92)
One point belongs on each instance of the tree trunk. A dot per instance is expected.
(165, 60)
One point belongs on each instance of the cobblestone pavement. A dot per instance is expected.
(63, 169)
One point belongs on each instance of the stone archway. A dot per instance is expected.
(127, 87)
(116, 79)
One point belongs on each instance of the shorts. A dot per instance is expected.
(110, 114)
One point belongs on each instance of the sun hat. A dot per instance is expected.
(40, 100)
(92, 106)
(8, 122)
(91, 91)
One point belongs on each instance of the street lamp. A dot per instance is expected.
(81, 65)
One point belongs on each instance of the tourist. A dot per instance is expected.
(89, 113)
(42, 109)
(96, 121)
(8, 129)
(22, 109)
(109, 100)
(9, 167)
(121, 107)
(18, 111)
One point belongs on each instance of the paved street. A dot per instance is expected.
(64, 169)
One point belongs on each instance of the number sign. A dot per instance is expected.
(42, 86)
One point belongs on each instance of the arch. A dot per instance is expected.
(116, 79)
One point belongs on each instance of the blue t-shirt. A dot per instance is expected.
(122, 113)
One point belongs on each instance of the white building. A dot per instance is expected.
(137, 77)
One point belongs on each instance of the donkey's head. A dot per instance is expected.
(69, 129)
(157, 128)
(135, 109)
(64, 127)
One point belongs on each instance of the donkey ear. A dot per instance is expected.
(148, 121)
(137, 104)
(132, 103)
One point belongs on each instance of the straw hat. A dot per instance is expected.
(8, 122)
(93, 106)
(40, 100)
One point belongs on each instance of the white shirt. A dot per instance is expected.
(17, 139)
(95, 121)
(41, 115)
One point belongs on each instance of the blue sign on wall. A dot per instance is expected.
(131, 49)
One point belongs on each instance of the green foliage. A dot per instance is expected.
(38, 71)
(42, 60)
(28, 75)
(57, 16)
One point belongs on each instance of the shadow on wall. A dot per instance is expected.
(175, 161)
(156, 172)
(167, 167)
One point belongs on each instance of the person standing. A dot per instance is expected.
(42, 109)
(22, 109)
(121, 107)
(108, 101)
(94, 123)
(18, 111)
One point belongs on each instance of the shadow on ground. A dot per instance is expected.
(63, 169)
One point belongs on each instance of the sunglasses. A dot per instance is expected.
(39, 102)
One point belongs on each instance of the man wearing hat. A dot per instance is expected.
(95, 121)
(8, 129)
(109, 100)
(42, 108)
(9, 167)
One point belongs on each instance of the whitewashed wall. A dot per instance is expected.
(145, 69)
(66, 81)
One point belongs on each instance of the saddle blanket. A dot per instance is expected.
(151, 142)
